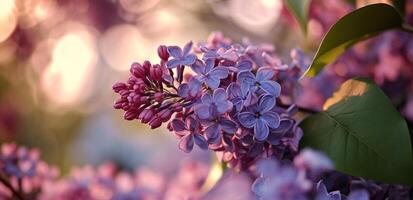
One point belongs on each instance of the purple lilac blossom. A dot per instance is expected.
(230, 81)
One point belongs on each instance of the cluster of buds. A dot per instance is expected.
(229, 101)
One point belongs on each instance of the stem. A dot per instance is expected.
(6, 183)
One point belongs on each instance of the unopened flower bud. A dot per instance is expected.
(146, 115)
(158, 97)
(147, 66)
(163, 52)
(165, 115)
(130, 115)
(155, 122)
(137, 70)
(156, 72)
(177, 107)
(117, 87)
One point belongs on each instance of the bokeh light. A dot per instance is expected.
(8, 18)
(68, 77)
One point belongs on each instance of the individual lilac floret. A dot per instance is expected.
(240, 98)
(280, 182)
(220, 54)
(260, 117)
(209, 74)
(213, 105)
(262, 80)
(313, 162)
(180, 57)
(189, 132)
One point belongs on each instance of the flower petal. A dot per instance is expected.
(178, 125)
(228, 126)
(271, 87)
(234, 90)
(250, 99)
(198, 67)
(200, 141)
(187, 48)
(202, 111)
(212, 133)
(265, 73)
(219, 95)
(224, 106)
(261, 130)
(183, 90)
(209, 65)
(244, 65)
(188, 60)
(246, 77)
(194, 87)
(247, 119)
(173, 63)
(175, 51)
(192, 124)
(206, 98)
(186, 143)
(212, 82)
(267, 102)
(219, 72)
(272, 119)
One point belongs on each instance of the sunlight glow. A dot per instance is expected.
(67, 77)
(8, 18)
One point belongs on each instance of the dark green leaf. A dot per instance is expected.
(358, 25)
(362, 133)
(299, 9)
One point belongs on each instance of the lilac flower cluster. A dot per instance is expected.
(22, 173)
(296, 181)
(24, 176)
(230, 102)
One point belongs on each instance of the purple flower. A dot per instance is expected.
(312, 161)
(189, 132)
(215, 125)
(180, 57)
(221, 53)
(260, 117)
(280, 182)
(323, 194)
(240, 98)
(208, 73)
(251, 82)
(214, 105)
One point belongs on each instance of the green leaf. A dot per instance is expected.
(362, 133)
(299, 9)
(358, 25)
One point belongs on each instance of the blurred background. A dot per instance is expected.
(59, 59)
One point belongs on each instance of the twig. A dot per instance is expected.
(6, 183)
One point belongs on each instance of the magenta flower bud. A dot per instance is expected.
(118, 103)
(156, 72)
(163, 52)
(146, 115)
(144, 99)
(165, 115)
(147, 66)
(177, 107)
(124, 93)
(158, 97)
(155, 122)
(117, 87)
(137, 70)
(130, 115)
